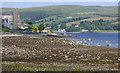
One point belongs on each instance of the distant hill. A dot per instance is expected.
(57, 15)
(64, 10)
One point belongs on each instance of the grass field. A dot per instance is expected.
(92, 19)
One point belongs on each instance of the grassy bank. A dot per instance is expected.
(56, 66)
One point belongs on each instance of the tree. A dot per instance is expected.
(101, 20)
(30, 26)
(35, 29)
(54, 27)
(41, 27)
(62, 26)
(30, 23)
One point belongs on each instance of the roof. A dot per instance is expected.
(9, 17)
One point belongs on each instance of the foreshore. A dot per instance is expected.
(55, 54)
(37, 34)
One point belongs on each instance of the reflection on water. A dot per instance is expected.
(95, 39)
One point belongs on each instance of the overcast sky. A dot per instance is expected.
(39, 4)
(59, 0)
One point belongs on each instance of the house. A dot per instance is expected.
(46, 30)
(24, 26)
(61, 30)
(6, 23)
(76, 25)
(84, 30)
(11, 21)
(54, 30)
(69, 17)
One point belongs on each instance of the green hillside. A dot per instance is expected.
(55, 16)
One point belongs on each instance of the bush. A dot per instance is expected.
(41, 27)
(6, 29)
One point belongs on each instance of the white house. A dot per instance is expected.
(24, 26)
(76, 25)
(6, 23)
(84, 30)
(13, 20)
(61, 30)
(69, 17)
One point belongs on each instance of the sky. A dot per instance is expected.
(59, 0)
(39, 4)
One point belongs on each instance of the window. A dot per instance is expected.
(3, 20)
(6, 20)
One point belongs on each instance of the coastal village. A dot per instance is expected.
(14, 22)
(45, 53)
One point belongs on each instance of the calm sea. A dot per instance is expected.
(94, 39)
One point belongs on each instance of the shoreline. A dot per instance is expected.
(54, 35)
(94, 32)
(107, 31)
(89, 32)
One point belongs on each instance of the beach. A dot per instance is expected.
(32, 53)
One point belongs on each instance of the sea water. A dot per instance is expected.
(94, 39)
